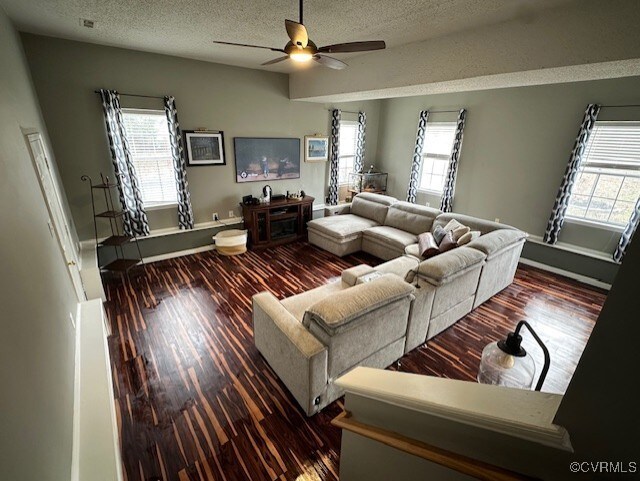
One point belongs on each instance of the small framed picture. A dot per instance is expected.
(204, 148)
(316, 148)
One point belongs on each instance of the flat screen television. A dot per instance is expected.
(260, 159)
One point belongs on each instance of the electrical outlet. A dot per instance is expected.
(231, 214)
(215, 216)
(73, 321)
(497, 219)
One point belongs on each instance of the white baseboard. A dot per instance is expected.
(572, 275)
(75, 451)
(171, 255)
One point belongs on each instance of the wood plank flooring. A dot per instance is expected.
(196, 401)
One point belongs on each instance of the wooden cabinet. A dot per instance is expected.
(277, 222)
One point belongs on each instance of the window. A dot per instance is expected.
(608, 184)
(347, 150)
(148, 137)
(436, 153)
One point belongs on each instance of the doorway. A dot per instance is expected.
(58, 222)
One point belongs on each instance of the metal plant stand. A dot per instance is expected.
(117, 239)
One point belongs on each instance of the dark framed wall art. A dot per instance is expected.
(204, 147)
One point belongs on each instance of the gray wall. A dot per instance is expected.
(36, 295)
(516, 146)
(238, 101)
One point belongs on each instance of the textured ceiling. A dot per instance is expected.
(186, 28)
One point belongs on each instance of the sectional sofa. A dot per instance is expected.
(455, 282)
(367, 318)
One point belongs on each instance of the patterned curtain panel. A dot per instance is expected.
(556, 220)
(185, 213)
(134, 221)
(628, 233)
(414, 177)
(358, 163)
(446, 202)
(334, 162)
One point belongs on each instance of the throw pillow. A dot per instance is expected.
(448, 242)
(457, 228)
(428, 247)
(439, 233)
(468, 237)
(452, 225)
(460, 231)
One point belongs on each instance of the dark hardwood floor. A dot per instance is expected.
(196, 401)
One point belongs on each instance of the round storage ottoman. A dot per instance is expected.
(231, 242)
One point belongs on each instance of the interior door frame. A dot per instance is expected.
(62, 232)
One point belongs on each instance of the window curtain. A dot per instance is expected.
(446, 202)
(358, 163)
(416, 163)
(627, 235)
(185, 213)
(556, 220)
(134, 221)
(334, 162)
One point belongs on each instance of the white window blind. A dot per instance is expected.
(347, 150)
(608, 184)
(436, 153)
(148, 137)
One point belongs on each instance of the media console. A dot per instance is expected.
(277, 222)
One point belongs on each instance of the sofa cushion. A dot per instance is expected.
(298, 304)
(391, 236)
(341, 227)
(494, 242)
(334, 313)
(474, 223)
(411, 217)
(372, 206)
(448, 265)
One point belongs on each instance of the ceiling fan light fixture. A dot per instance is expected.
(301, 56)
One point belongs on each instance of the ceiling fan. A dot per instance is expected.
(301, 49)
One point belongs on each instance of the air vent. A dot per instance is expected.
(85, 22)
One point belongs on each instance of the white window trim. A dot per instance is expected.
(595, 167)
(423, 157)
(354, 123)
(594, 224)
(143, 111)
(160, 205)
(430, 192)
(151, 206)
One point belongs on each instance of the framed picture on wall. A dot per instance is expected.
(204, 147)
(316, 148)
(260, 159)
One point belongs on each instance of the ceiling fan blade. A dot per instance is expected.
(297, 33)
(330, 62)
(354, 47)
(247, 45)
(275, 60)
